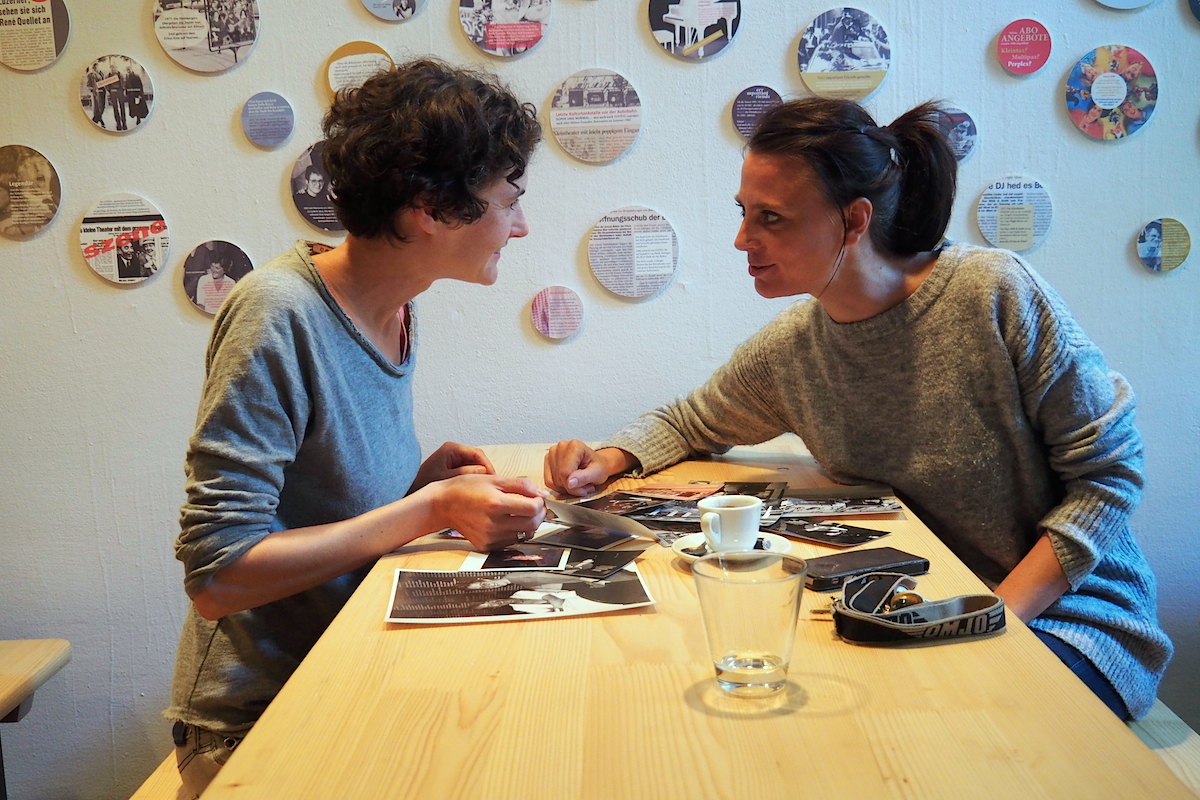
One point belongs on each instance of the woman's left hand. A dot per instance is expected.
(449, 460)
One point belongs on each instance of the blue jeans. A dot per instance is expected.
(1078, 663)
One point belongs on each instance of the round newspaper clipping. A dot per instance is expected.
(116, 93)
(353, 63)
(393, 10)
(696, 29)
(1015, 213)
(123, 238)
(1023, 47)
(310, 190)
(206, 37)
(1163, 244)
(33, 33)
(30, 191)
(633, 251)
(504, 27)
(210, 272)
(268, 119)
(1111, 92)
(556, 312)
(960, 131)
(596, 115)
(844, 53)
(750, 105)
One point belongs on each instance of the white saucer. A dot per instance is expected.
(774, 543)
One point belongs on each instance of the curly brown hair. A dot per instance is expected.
(423, 134)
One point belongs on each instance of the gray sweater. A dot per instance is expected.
(986, 407)
(302, 421)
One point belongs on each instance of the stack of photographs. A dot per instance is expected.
(825, 532)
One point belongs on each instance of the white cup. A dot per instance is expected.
(730, 521)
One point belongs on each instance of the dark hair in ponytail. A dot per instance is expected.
(907, 169)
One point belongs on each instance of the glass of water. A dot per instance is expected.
(750, 600)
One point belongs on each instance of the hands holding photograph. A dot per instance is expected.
(491, 511)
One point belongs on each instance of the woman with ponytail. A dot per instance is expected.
(953, 373)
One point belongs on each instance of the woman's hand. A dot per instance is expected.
(574, 468)
(450, 460)
(491, 511)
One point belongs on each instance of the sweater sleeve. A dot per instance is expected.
(737, 405)
(1085, 413)
(249, 427)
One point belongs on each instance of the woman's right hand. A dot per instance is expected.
(574, 468)
(491, 511)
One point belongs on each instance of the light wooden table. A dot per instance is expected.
(25, 664)
(625, 706)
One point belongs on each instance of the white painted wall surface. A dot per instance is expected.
(99, 383)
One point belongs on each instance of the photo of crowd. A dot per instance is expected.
(206, 35)
(116, 93)
(844, 40)
(1104, 113)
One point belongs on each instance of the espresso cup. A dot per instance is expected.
(730, 521)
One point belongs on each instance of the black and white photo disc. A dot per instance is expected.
(116, 94)
(206, 37)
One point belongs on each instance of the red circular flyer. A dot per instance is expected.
(1023, 47)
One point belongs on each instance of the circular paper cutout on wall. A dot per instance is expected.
(1124, 4)
(116, 93)
(34, 33)
(750, 105)
(633, 251)
(353, 63)
(960, 131)
(30, 191)
(393, 10)
(268, 119)
(1111, 92)
(596, 115)
(1164, 244)
(1015, 213)
(504, 27)
(694, 29)
(210, 272)
(556, 312)
(124, 238)
(211, 38)
(1194, 5)
(844, 53)
(310, 190)
(1023, 47)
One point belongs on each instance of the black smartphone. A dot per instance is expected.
(830, 572)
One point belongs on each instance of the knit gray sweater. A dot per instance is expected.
(994, 417)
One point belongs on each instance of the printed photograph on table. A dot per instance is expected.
(310, 190)
(210, 272)
(750, 105)
(556, 312)
(595, 115)
(206, 35)
(960, 131)
(1023, 47)
(30, 191)
(844, 53)
(694, 29)
(633, 251)
(268, 119)
(124, 238)
(33, 34)
(116, 93)
(1015, 213)
(353, 63)
(504, 27)
(1111, 92)
(393, 10)
(1163, 244)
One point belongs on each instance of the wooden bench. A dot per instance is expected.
(1173, 741)
(163, 784)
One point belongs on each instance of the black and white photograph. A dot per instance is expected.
(206, 35)
(1149, 245)
(588, 564)
(824, 532)
(694, 29)
(621, 503)
(116, 93)
(464, 596)
(124, 238)
(30, 191)
(837, 506)
(960, 131)
(393, 10)
(504, 27)
(517, 557)
(585, 537)
(210, 272)
(310, 190)
(844, 52)
(672, 510)
(596, 115)
(769, 493)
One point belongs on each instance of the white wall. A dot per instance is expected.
(100, 382)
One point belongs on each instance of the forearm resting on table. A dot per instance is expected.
(1035, 583)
